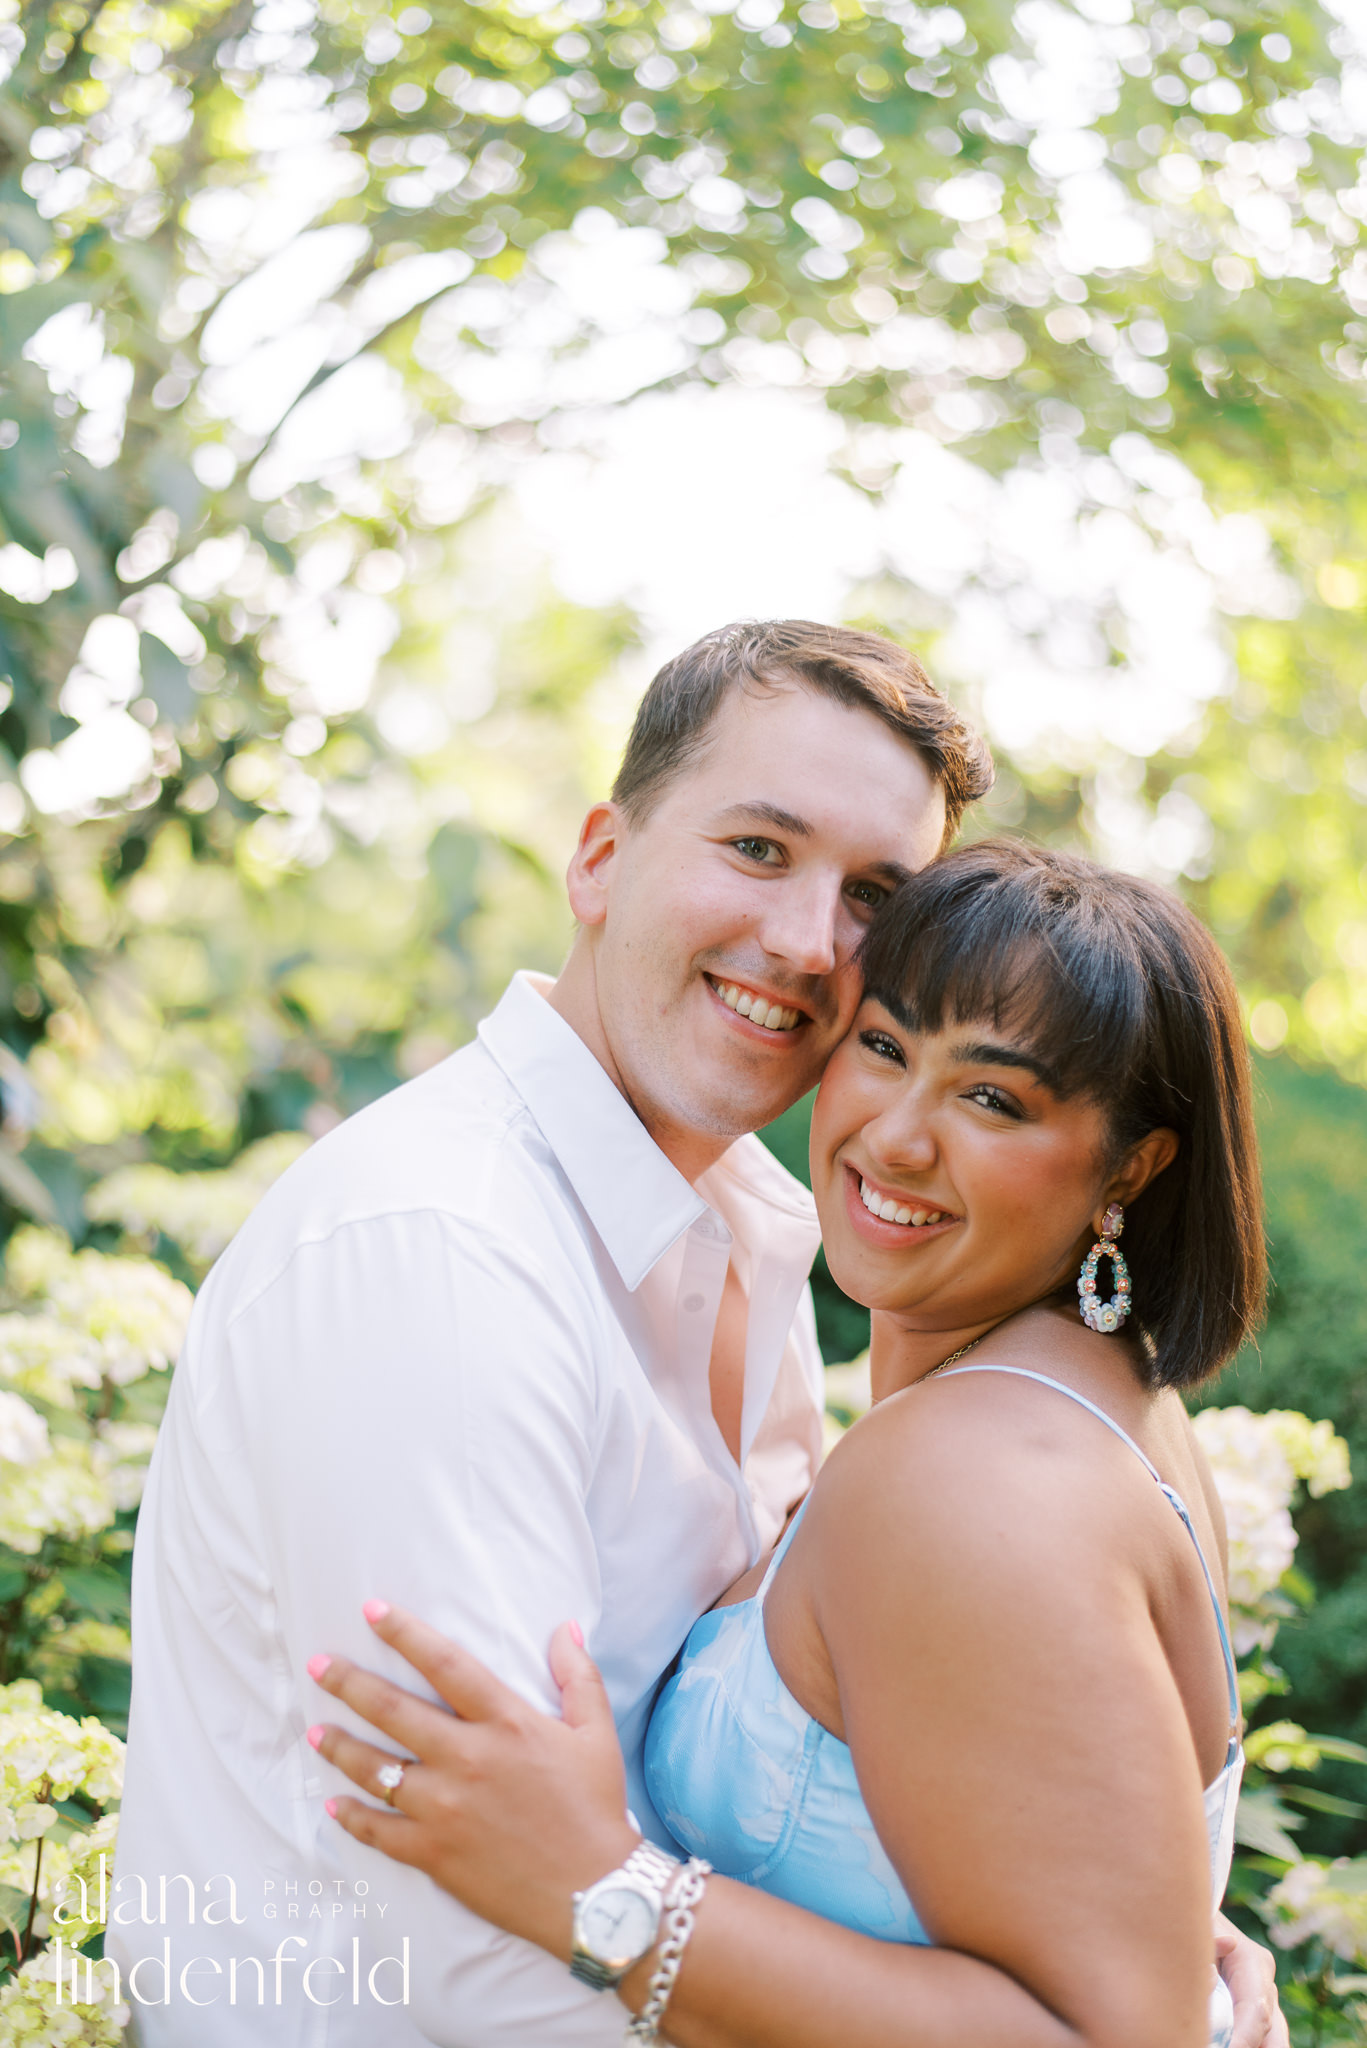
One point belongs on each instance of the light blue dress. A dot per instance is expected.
(742, 1775)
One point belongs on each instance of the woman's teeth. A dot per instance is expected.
(895, 1212)
(757, 1008)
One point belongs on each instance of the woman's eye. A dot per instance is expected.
(886, 1048)
(757, 849)
(993, 1098)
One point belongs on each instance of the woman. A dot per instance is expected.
(982, 1696)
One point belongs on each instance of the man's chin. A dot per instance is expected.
(733, 1111)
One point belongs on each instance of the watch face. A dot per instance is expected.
(618, 1924)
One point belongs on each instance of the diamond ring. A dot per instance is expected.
(389, 1777)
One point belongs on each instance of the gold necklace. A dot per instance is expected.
(955, 1356)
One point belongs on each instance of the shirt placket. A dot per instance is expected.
(702, 1277)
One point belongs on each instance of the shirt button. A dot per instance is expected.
(693, 1302)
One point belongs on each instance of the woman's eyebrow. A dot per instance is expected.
(982, 1053)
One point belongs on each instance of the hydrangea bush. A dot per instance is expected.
(86, 1341)
(57, 1777)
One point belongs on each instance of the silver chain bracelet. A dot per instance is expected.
(678, 1926)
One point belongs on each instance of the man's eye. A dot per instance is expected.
(993, 1098)
(757, 849)
(869, 894)
(886, 1048)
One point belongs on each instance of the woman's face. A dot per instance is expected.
(990, 1185)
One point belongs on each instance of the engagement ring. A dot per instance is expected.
(389, 1777)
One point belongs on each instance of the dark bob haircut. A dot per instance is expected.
(1123, 997)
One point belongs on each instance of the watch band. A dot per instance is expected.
(647, 1870)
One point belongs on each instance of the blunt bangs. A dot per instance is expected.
(968, 944)
(1122, 996)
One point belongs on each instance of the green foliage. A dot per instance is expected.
(1310, 1356)
(859, 199)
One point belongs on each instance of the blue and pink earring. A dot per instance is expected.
(1105, 1316)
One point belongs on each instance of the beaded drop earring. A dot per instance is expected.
(1105, 1317)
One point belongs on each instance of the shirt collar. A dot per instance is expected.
(635, 1199)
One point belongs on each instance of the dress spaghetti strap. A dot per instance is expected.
(1174, 1498)
(780, 1551)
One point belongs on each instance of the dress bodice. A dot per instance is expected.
(743, 1775)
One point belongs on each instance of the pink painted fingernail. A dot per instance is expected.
(577, 1633)
(331, 1805)
(375, 1610)
(316, 1737)
(316, 1666)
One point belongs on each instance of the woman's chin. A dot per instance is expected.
(852, 1276)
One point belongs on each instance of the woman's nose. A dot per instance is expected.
(902, 1140)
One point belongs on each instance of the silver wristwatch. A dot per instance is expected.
(616, 1921)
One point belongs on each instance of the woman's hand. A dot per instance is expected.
(506, 1808)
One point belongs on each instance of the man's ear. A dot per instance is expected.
(1143, 1163)
(588, 877)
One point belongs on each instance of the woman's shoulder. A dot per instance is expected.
(965, 1462)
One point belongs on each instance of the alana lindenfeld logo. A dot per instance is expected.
(322, 1961)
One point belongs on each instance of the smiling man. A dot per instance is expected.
(528, 1339)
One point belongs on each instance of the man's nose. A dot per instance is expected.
(802, 924)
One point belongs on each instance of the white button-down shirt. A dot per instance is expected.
(458, 1359)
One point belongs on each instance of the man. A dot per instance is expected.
(528, 1339)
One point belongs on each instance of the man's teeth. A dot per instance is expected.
(757, 1008)
(895, 1212)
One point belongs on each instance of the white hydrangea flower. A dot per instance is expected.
(1258, 1462)
(23, 1432)
(120, 1454)
(33, 1259)
(70, 1891)
(34, 1818)
(128, 1313)
(65, 1494)
(47, 1755)
(30, 2016)
(1328, 1902)
(1318, 1455)
(46, 1358)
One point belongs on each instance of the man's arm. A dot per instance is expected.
(419, 1401)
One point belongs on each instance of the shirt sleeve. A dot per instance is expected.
(417, 1396)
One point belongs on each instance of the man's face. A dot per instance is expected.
(747, 889)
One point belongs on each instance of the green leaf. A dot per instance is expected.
(97, 1591)
(1263, 1823)
(1324, 1802)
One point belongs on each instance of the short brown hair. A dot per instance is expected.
(859, 669)
(1124, 998)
